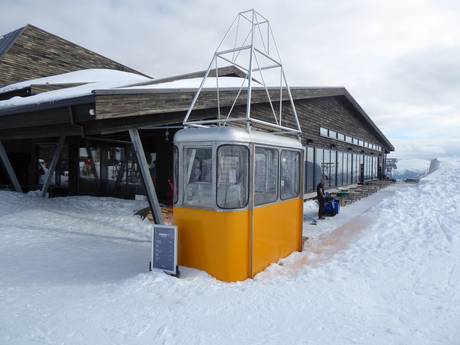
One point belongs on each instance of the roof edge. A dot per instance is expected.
(16, 34)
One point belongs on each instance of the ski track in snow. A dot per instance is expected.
(385, 271)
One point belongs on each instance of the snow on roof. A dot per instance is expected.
(194, 83)
(93, 78)
(103, 79)
(79, 77)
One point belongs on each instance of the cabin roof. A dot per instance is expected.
(233, 135)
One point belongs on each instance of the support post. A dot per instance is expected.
(52, 167)
(9, 169)
(148, 183)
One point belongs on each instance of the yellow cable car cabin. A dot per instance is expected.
(238, 200)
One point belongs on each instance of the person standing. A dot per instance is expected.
(320, 196)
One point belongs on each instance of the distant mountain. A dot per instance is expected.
(411, 169)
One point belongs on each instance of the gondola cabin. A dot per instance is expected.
(238, 200)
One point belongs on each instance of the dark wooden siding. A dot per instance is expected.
(332, 112)
(37, 53)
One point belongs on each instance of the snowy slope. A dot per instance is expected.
(72, 275)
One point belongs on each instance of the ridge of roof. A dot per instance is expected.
(7, 40)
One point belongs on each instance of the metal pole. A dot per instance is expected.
(52, 167)
(252, 170)
(9, 169)
(248, 108)
(149, 187)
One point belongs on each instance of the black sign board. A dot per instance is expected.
(164, 248)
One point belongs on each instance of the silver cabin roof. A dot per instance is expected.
(233, 134)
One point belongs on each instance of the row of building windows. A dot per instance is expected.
(338, 168)
(329, 133)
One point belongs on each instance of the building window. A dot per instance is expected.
(266, 179)
(333, 169)
(340, 168)
(318, 165)
(323, 132)
(309, 169)
(198, 177)
(349, 139)
(232, 176)
(332, 134)
(340, 137)
(290, 164)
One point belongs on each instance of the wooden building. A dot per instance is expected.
(61, 94)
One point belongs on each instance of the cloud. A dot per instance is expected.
(399, 59)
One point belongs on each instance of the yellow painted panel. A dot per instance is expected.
(277, 232)
(215, 242)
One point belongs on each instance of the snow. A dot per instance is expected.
(384, 271)
(194, 83)
(95, 79)
(91, 75)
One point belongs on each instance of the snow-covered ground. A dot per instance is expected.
(385, 271)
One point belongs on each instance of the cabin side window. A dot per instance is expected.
(232, 176)
(290, 174)
(176, 174)
(198, 177)
(266, 175)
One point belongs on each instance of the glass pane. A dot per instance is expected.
(290, 166)
(120, 173)
(326, 168)
(318, 165)
(60, 176)
(340, 168)
(198, 177)
(349, 169)
(266, 179)
(332, 134)
(323, 132)
(310, 169)
(89, 170)
(232, 176)
(333, 168)
(176, 174)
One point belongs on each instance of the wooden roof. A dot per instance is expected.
(30, 52)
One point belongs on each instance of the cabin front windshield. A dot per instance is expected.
(198, 177)
(232, 176)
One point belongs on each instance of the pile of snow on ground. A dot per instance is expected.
(70, 274)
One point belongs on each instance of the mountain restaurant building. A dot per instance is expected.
(56, 94)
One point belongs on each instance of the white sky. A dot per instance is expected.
(399, 59)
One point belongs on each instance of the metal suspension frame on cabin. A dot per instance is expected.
(256, 21)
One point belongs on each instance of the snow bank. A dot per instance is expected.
(70, 273)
